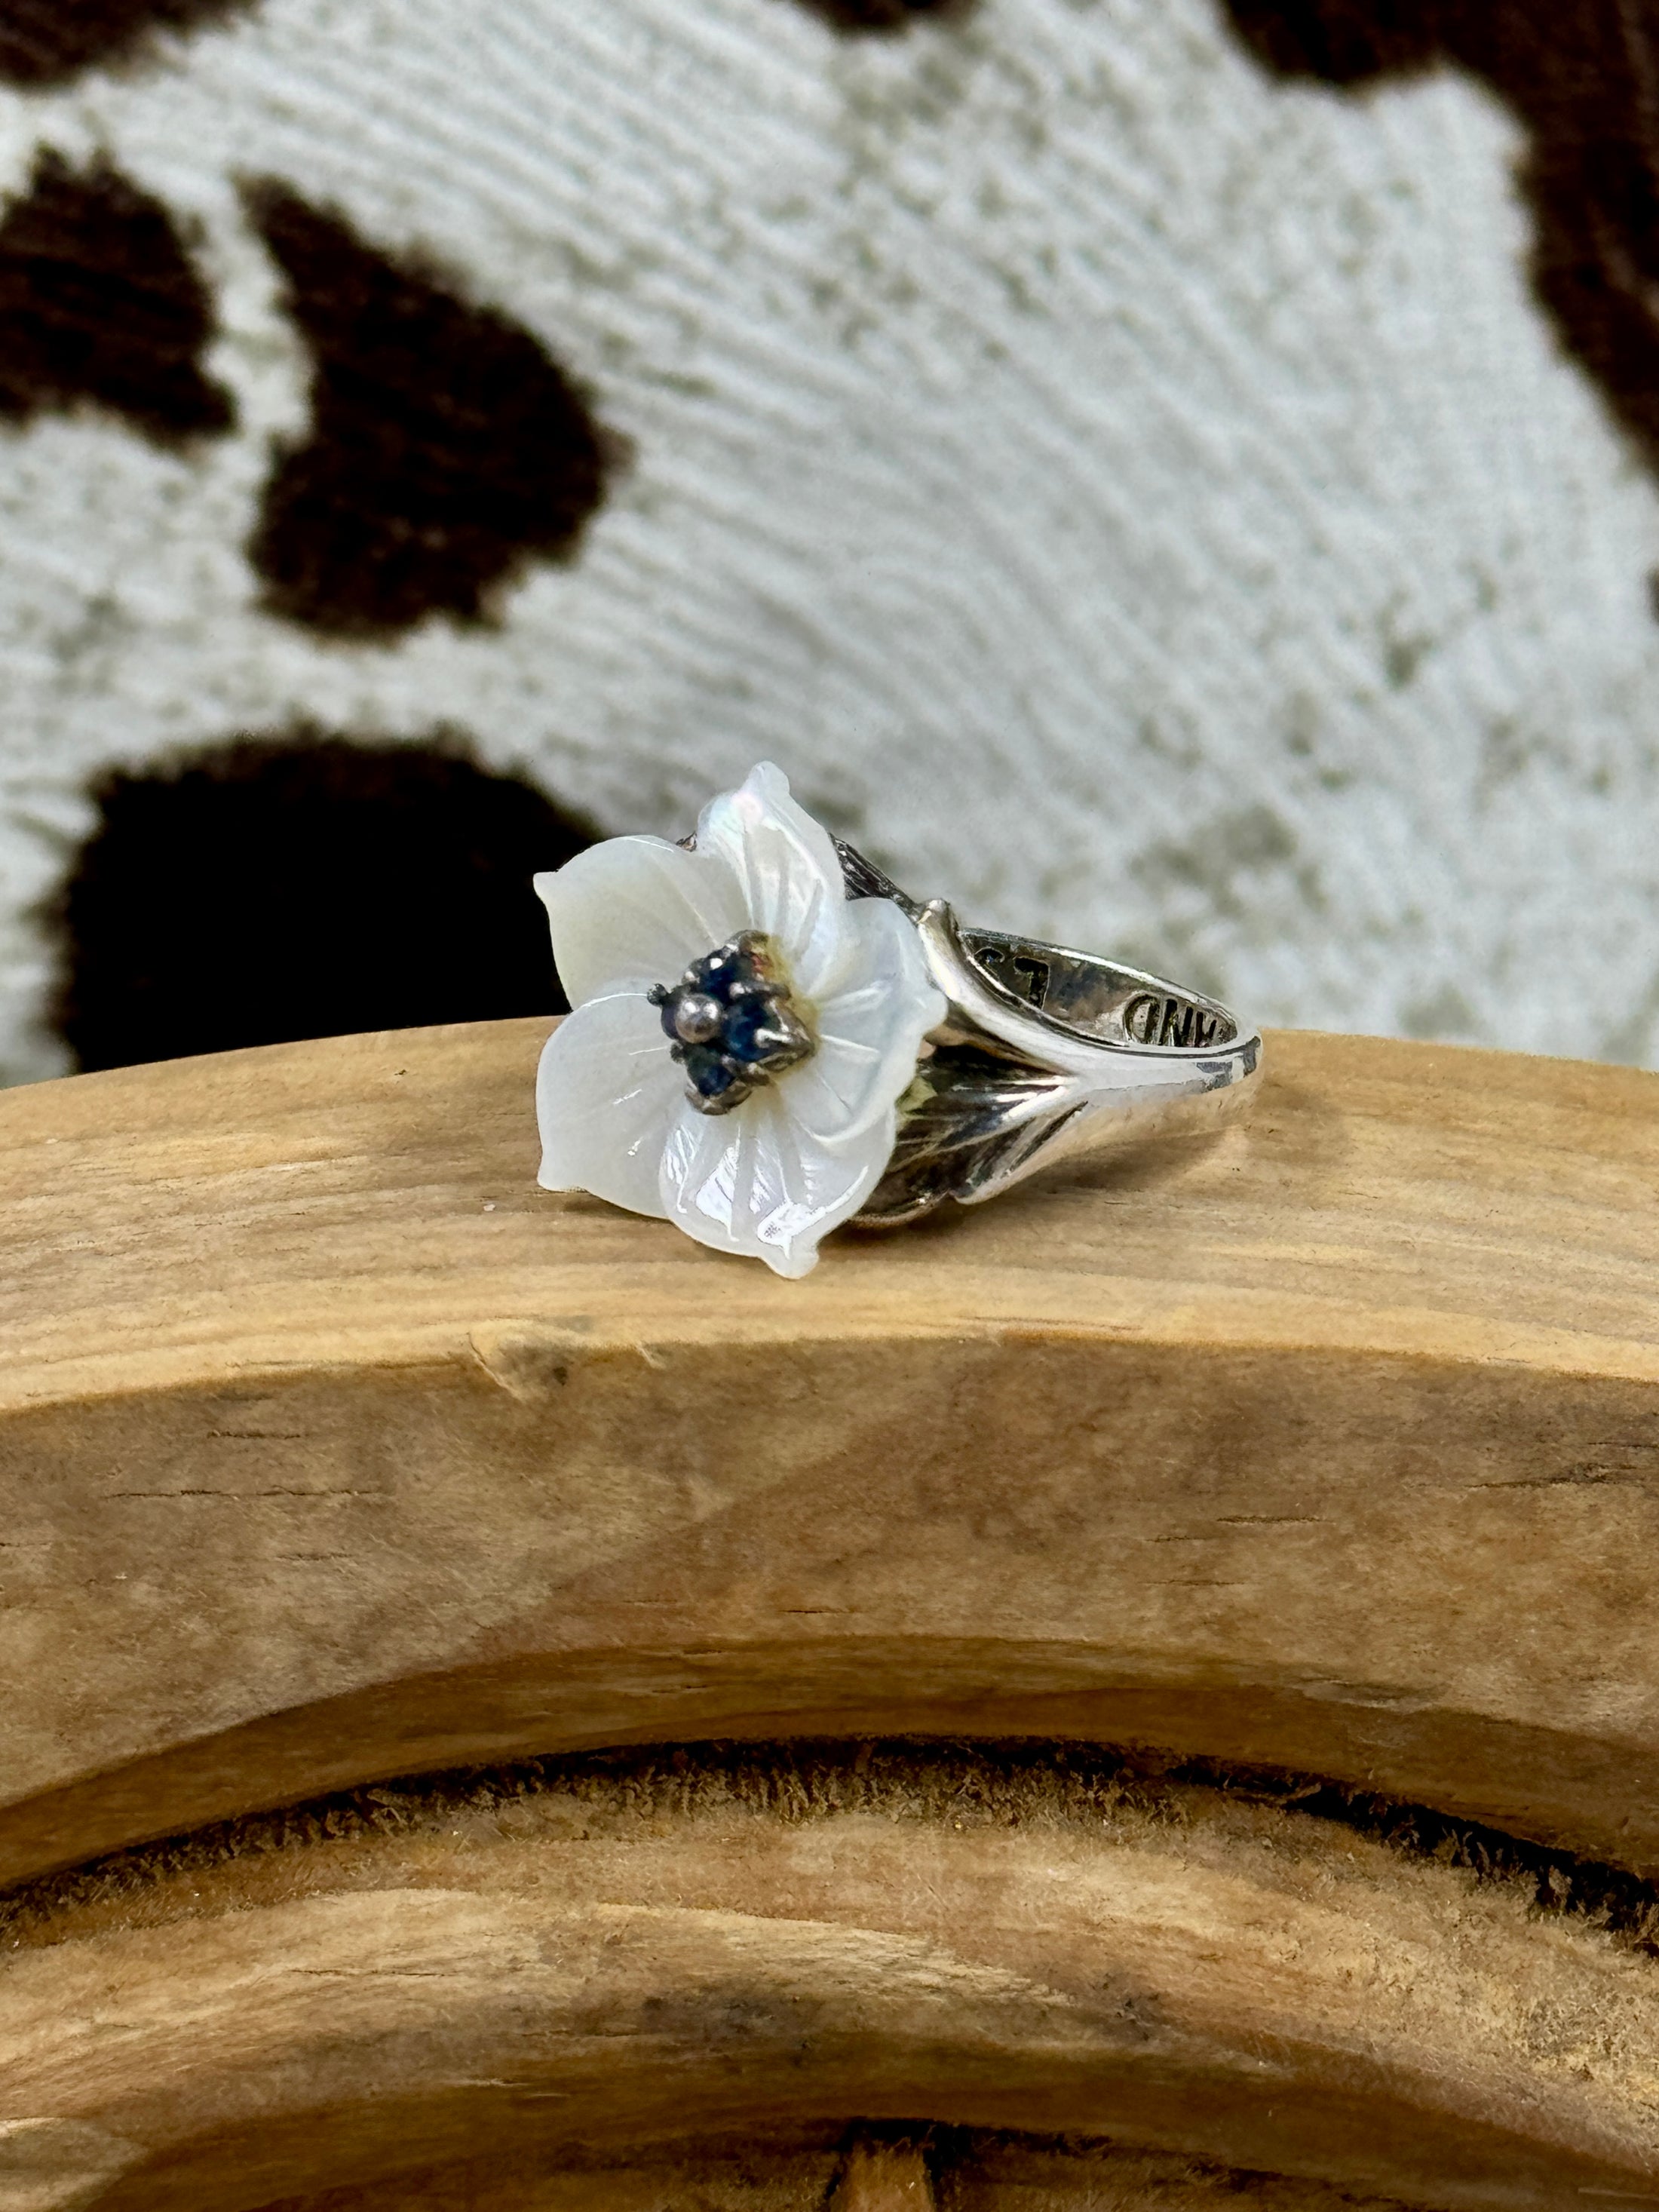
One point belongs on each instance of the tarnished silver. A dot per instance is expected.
(1045, 1054)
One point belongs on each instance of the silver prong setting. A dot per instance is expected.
(732, 1023)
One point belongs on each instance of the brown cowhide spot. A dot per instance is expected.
(1582, 76)
(856, 15)
(46, 42)
(99, 304)
(299, 886)
(446, 446)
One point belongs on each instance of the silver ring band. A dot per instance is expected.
(1045, 1054)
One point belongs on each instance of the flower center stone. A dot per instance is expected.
(732, 1021)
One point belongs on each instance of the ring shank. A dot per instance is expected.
(1044, 1052)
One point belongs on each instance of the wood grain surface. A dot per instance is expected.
(330, 1447)
(457, 2000)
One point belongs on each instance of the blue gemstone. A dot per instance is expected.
(715, 973)
(709, 1078)
(744, 1025)
(723, 971)
(671, 1006)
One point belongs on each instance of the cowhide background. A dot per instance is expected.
(1179, 474)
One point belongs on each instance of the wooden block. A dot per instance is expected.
(332, 1447)
(1318, 1455)
(879, 2177)
(476, 1995)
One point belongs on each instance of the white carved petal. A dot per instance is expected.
(870, 1025)
(635, 911)
(786, 863)
(607, 1093)
(745, 1182)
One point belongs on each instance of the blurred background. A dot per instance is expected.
(1177, 475)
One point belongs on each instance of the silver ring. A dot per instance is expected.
(768, 1038)
(1045, 1054)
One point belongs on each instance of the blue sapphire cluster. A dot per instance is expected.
(733, 1023)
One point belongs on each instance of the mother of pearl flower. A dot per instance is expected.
(803, 1149)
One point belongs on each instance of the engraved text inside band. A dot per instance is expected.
(1097, 998)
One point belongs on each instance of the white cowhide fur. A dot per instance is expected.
(1134, 497)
